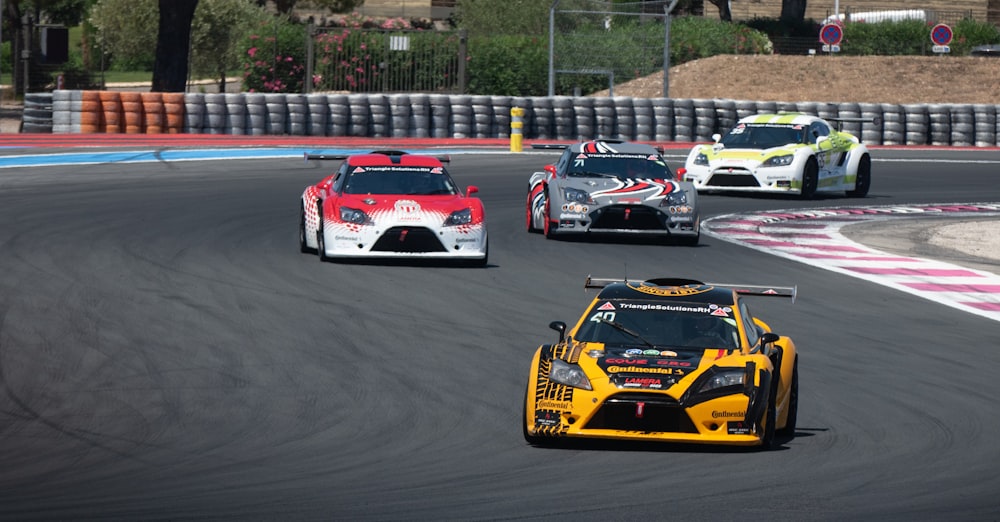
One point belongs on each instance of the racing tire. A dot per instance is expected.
(534, 440)
(689, 241)
(530, 222)
(810, 179)
(768, 421)
(547, 223)
(303, 246)
(793, 405)
(863, 181)
(481, 263)
(320, 242)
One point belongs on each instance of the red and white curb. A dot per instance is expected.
(812, 236)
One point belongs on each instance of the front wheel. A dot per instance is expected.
(534, 440)
(547, 224)
(863, 181)
(303, 246)
(810, 178)
(530, 220)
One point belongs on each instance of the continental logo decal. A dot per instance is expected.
(728, 414)
(546, 404)
(670, 290)
(645, 369)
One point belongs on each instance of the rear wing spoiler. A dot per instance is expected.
(321, 157)
(762, 290)
(562, 146)
(851, 119)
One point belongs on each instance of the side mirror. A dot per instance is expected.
(769, 338)
(551, 169)
(716, 137)
(472, 189)
(560, 327)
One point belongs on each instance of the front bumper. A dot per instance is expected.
(641, 220)
(404, 241)
(650, 417)
(784, 180)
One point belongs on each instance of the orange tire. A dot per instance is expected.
(132, 112)
(90, 111)
(111, 103)
(173, 108)
(152, 111)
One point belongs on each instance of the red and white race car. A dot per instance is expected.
(392, 204)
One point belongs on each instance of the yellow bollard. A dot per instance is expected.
(516, 124)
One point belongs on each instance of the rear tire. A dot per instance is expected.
(810, 178)
(863, 181)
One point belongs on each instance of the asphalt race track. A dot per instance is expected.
(166, 353)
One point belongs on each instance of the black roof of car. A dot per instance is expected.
(685, 290)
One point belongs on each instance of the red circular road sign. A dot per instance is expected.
(831, 34)
(941, 34)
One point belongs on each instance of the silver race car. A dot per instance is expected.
(612, 187)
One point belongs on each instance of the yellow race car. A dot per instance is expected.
(672, 360)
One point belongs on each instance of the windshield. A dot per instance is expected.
(412, 181)
(763, 136)
(618, 166)
(646, 323)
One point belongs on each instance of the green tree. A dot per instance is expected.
(335, 6)
(123, 31)
(485, 17)
(219, 27)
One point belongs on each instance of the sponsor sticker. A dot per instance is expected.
(548, 404)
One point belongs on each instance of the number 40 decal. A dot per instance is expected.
(602, 316)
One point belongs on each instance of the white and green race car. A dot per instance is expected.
(786, 153)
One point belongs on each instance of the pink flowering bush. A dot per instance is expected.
(275, 58)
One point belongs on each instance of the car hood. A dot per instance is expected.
(623, 188)
(647, 368)
(745, 157)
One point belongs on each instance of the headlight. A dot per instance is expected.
(459, 217)
(563, 372)
(576, 195)
(353, 215)
(778, 161)
(722, 378)
(701, 159)
(675, 198)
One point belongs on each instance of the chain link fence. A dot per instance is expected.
(599, 41)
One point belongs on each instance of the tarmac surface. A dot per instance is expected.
(973, 243)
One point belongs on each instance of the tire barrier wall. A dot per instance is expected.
(464, 116)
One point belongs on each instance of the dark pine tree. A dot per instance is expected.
(170, 66)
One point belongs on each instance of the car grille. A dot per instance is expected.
(629, 217)
(660, 413)
(736, 178)
(408, 239)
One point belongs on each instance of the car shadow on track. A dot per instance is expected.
(780, 444)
